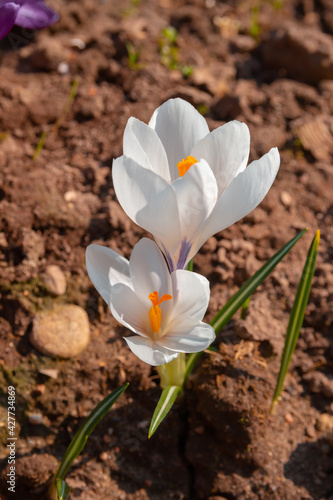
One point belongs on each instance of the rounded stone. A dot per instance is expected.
(55, 280)
(61, 332)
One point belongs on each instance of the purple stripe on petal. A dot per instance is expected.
(34, 14)
(167, 256)
(8, 14)
(183, 254)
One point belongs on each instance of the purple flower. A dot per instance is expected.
(33, 14)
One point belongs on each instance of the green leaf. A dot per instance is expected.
(238, 299)
(245, 307)
(190, 265)
(40, 145)
(78, 442)
(168, 397)
(296, 317)
(63, 489)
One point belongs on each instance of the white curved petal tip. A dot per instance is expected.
(192, 339)
(149, 352)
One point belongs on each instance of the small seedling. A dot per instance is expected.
(169, 52)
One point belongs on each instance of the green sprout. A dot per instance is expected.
(67, 107)
(255, 28)
(169, 52)
(133, 56)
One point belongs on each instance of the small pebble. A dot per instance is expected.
(50, 372)
(55, 280)
(289, 418)
(63, 68)
(325, 423)
(103, 456)
(35, 418)
(70, 196)
(286, 199)
(78, 43)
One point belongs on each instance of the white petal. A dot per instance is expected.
(148, 199)
(243, 195)
(128, 309)
(190, 296)
(179, 126)
(226, 150)
(194, 339)
(142, 144)
(149, 352)
(106, 268)
(196, 194)
(149, 273)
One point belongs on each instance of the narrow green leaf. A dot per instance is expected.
(63, 489)
(238, 299)
(245, 307)
(296, 317)
(78, 442)
(39, 146)
(168, 397)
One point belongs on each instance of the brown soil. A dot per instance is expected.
(271, 67)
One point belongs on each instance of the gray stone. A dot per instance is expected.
(61, 332)
(55, 280)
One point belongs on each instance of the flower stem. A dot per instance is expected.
(173, 373)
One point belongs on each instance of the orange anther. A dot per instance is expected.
(155, 313)
(184, 165)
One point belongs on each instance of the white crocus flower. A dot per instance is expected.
(183, 183)
(164, 310)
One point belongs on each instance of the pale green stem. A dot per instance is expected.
(173, 373)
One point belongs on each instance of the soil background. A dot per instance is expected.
(75, 84)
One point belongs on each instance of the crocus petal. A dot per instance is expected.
(35, 15)
(190, 296)
(194, 339)
(196, 194)
(149, 271)
(106, 268)
(179, 126)
(150, 352)
(243, 195)
(142, 144)
(226, 150)
(148, 199)
(8, 13)
(129, 309)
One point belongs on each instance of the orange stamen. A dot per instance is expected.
(155, 313)
(184, 165)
